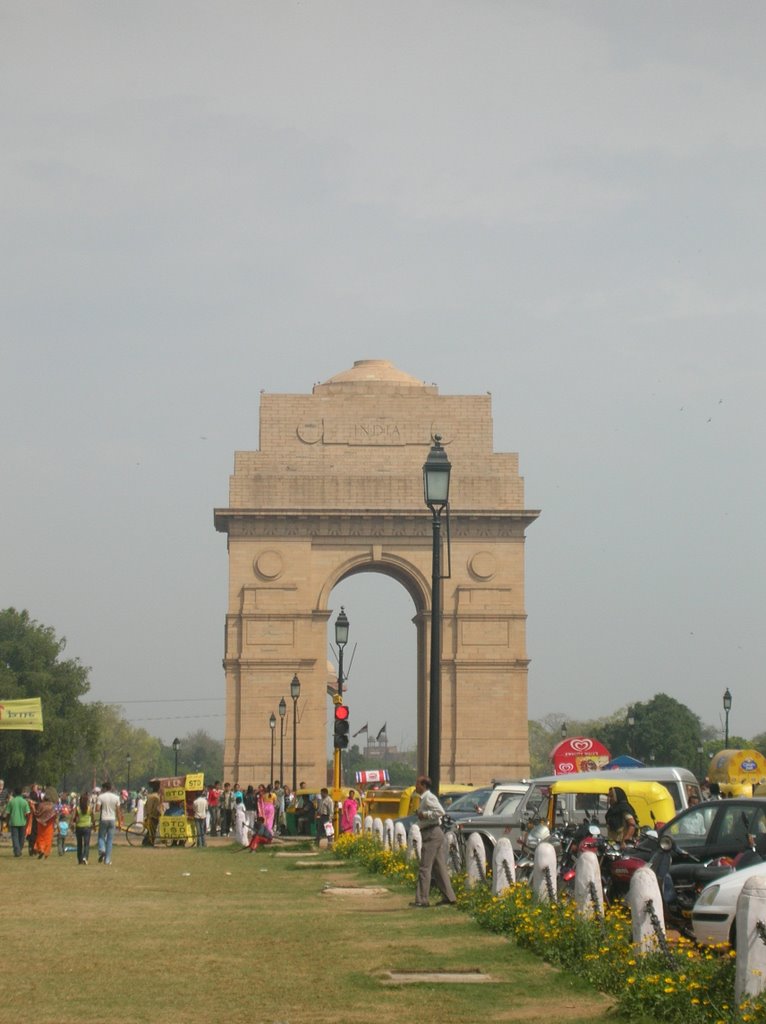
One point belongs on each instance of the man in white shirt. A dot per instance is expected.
(433, 855)
(200, 818)
(111, 817)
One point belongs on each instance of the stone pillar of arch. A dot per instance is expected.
(336, 489)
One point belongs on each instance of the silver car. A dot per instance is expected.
(492, 827)
(714, 913)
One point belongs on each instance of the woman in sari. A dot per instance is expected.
(349, 812)
(267, 806)
(45, 816)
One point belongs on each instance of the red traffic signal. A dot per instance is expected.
(340, 736)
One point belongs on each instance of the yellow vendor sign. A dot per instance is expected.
(22, 714)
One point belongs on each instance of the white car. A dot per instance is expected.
(714, 912)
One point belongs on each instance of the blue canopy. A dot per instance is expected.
(625, 761)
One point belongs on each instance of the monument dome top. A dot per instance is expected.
(374, 371)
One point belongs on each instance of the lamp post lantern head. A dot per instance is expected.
(631, 718)
(564, 731)
(436, 472)
(272, 721)
(295, 687)
(727, 700)
(341, 628)
(176, 744)
(282, 708)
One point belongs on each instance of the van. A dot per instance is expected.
(679, 782)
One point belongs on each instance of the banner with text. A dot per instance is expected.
(22, 714)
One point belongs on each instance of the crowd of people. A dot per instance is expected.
(36, 817)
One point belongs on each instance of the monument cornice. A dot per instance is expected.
(322, 523)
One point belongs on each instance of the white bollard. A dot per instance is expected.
(750, 979)
(368, 825)
(644, 887)
(388, 833)
(377, 830)
(475, 861)
(588, 890)
(454, 856)
(543, 879)
(414, 842)
(400, 836)
(503, 866)
(357, 824)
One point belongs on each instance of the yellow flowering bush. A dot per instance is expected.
(688, 985)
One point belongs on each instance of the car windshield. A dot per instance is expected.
(692, 828)
(510, 805)
(473, 801)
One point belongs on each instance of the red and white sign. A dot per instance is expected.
(378, 775)
(579, 754)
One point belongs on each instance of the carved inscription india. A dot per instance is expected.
(375, 431)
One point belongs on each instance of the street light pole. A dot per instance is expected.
(176, 745)
(341, 639)
(129, 760)
(727, 709)
(631, 732)
(272, 726)
(282, 713)
(436, 474)
(295, 692)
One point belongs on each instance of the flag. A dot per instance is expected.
(382, 732)
(22, 714)
(363, 729)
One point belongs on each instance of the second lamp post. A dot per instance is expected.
(295, 692)
(436, 473)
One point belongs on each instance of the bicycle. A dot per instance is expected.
(137, 835)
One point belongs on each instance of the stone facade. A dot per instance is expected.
(336, 488)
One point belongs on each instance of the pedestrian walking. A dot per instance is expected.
(433, 855)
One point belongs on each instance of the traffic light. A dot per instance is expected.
(340, 737)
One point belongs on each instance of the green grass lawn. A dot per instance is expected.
(222, 935)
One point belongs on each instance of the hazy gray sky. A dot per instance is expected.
(558, 202)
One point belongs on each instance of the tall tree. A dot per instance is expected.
(31, 665)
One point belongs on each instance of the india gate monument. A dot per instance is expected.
(336, 488)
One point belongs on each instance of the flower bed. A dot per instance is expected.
(688, 986)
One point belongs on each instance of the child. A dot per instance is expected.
(61, 833)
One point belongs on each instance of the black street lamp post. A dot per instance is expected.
(727, 709)
(176, 745)
(129, 759)
(272, 726)
(436, 474)
(631, 732)
(564, 731)
(295, 692)
(341, 639)
(282, 713)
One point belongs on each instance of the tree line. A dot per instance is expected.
(83, 742)
(659, 731)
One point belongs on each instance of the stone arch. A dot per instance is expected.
(336, 490)
(395, 566)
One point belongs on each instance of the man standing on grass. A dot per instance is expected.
(111, 818)
(18, 814)
(200, 818)
(324, 815)
(433, 855)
